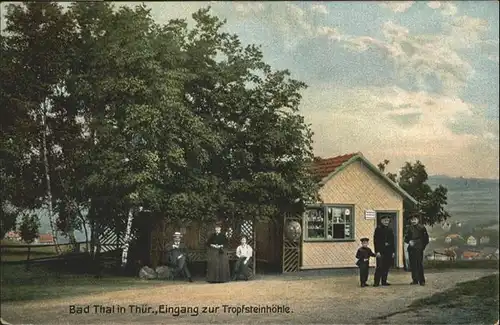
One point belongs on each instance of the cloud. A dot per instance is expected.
(434, 4)
(369, 120)
(397, 6)
(446, 8)
(418, 57)
(247, 8)
(319, 8)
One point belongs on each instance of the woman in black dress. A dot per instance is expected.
(218, 261)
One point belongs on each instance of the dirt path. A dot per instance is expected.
(311, 300)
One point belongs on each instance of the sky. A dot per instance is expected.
(402, 81)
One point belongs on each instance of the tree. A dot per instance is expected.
(261, 167)
(28, 228)
(8, 217)
(431, 203)
(39, 28)
(187, 123)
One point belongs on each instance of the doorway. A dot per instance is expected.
(393, 216)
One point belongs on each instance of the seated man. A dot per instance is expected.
(177, 257)
(244, 252)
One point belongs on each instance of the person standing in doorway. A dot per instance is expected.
(383, 240)
(417, 238)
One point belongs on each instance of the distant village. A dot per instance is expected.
(455, 241)
(47, 239)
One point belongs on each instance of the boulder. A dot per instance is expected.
(164, 272)
(147, 273)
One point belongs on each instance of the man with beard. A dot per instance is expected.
(417, 239)
(383, 240)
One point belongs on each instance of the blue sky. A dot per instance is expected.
(395, 80)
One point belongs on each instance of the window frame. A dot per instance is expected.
(324, 208)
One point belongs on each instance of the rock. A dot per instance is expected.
(147, 273)
(164, 272)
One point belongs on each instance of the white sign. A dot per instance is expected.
(347, 212)
(370, 214)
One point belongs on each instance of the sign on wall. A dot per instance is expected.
(370, 214)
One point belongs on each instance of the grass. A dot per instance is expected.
(39, 283)
(479, 299)
(462, 264)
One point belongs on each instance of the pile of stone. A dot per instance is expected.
(161, 272)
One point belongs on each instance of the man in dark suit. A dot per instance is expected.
(383, 240)
(417, 239)
(177, 257)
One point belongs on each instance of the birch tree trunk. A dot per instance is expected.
(127, 237)
(45, 131)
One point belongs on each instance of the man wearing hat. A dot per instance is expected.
(383, 240)
(417, 239)
(177, 257)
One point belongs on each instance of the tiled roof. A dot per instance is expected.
(470, 254)
(45, 238)
(324, 167)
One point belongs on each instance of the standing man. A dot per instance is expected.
(177, 257)
(383, 240)
(417, 239)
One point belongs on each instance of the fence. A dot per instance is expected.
(44, 252)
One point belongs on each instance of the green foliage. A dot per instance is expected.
(28, 229)
(8, 217)
(413, 179)
(185, 122)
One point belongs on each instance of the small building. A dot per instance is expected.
(439, 257)
(471, 241)
(484, 240)
(45, 239)
(446, 226)
(355, 195)
(450, 238)
(13, 235)
(489, 253)
(470, 255)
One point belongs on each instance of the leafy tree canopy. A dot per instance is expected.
(413, 179)
(188, 123)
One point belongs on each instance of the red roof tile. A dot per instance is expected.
(324, 167)
(45, 238)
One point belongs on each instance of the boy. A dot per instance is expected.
(363, 255)
(417, 238)
(244, 252)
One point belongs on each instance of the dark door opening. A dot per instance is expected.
(394, 225)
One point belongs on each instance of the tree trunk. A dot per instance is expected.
(79, 212)
(127, 237)
(84, 222)
(47, 176)
(28, 259)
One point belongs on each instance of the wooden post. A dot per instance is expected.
(254, 239)
(28, 259)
